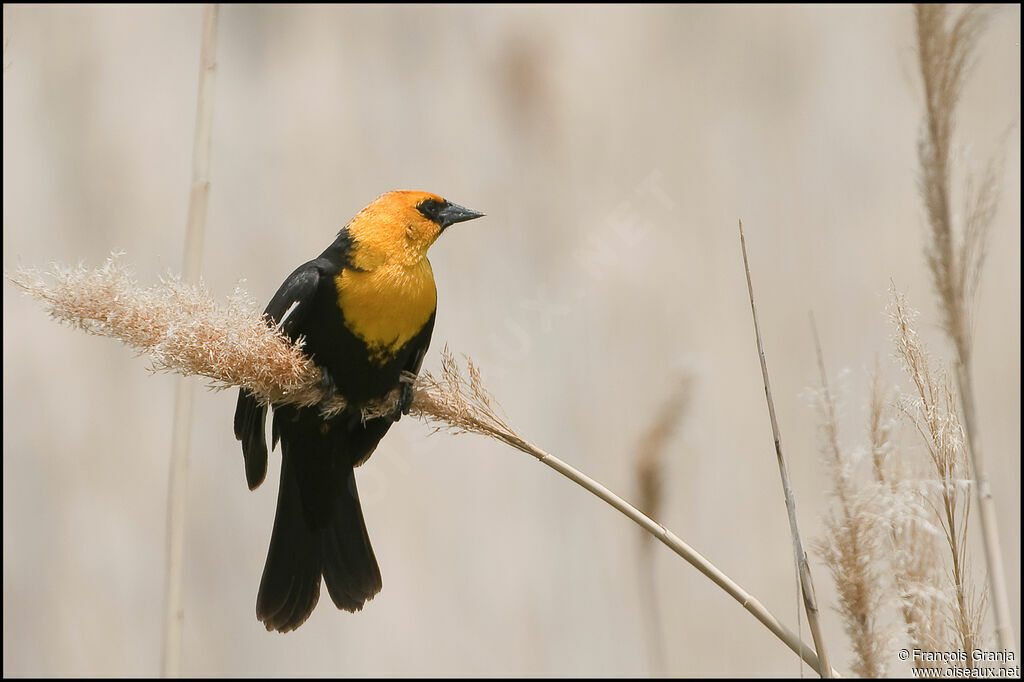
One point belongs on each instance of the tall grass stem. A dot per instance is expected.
(806, 582)
(181, 434)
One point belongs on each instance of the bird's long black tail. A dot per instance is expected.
(318, 530)
(250, 428)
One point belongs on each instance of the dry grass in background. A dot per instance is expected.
(650, 465)
(932, 410)
(851, 545)
(941, 608)
(946, 47)
(181, 435)
(892, 516)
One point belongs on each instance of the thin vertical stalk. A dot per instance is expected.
(987, 512)
(806, 582)
(177, 488)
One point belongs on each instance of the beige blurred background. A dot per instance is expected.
(613, 149)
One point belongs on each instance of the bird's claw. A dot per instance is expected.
(404, 401)
(327, 385)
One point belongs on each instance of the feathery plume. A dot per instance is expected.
(850, 547)
(932, 410)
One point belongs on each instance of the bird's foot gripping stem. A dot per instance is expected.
(330, 389)
(404, 403)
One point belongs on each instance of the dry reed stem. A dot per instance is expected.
(806, 582)
(945, 49)
(465, 406)
(851, 546)
(933, 412)
(184, 331)
(181, 431)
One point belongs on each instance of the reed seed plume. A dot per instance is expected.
(882, 535)
(917, 570)
(912, 553)
(932, 410)
(851, 546)
(461, 403)
(881, 423)
(955, 256)
(182, 329)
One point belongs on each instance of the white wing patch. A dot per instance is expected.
(287, 314)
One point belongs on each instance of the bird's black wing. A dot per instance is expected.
(293, 299)
(419, 345)
(417, 351)
(286, 310)
(362, 437)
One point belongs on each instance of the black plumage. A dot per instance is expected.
(319, 528)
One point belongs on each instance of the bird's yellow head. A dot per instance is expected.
(401, 226)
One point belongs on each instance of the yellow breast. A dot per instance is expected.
(388, 306)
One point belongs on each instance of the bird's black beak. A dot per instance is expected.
(446, 214)
(453, 213)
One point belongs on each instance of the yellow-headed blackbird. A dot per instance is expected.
(366, 308)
